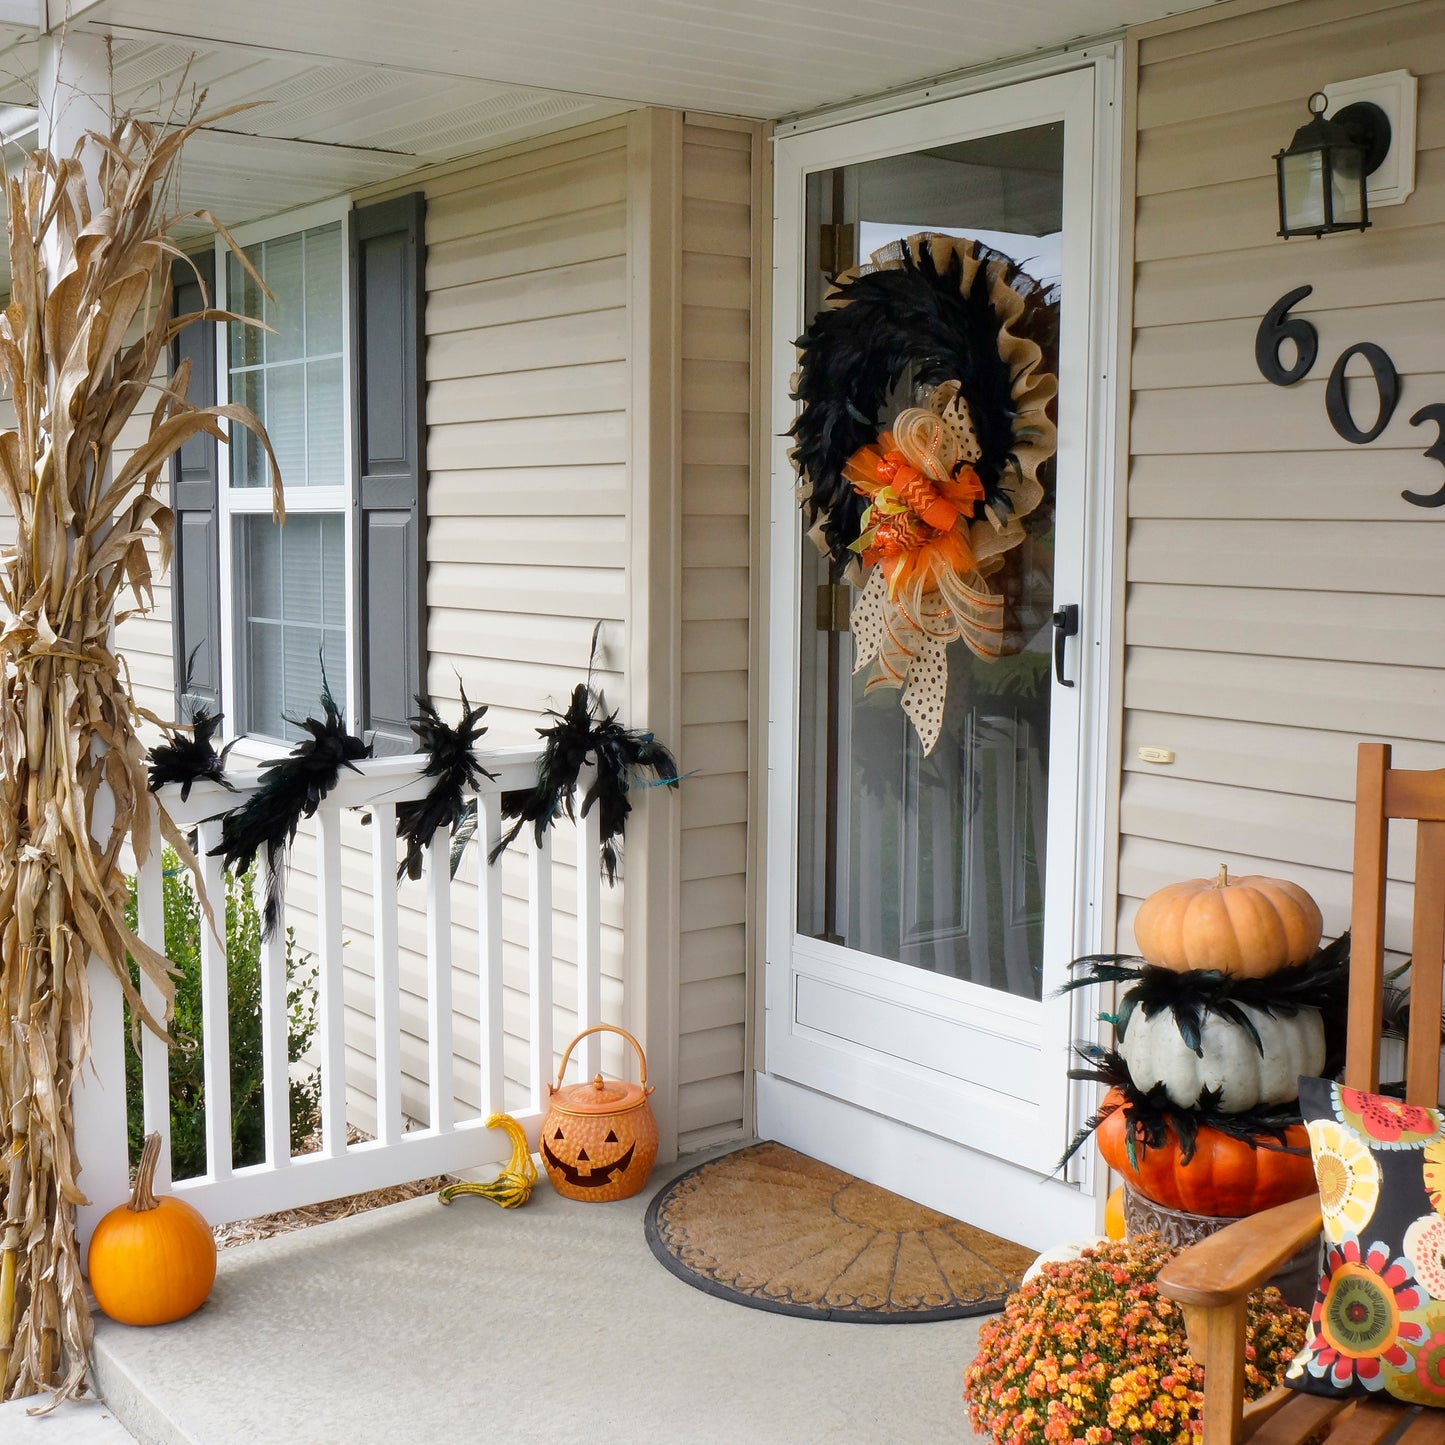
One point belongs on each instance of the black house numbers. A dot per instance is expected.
(1278, 326)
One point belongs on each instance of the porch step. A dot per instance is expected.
(86, 1422)
(422, 1323)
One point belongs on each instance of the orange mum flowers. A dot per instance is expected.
(1090, 1353)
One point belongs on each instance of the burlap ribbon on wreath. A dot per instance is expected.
(927, 547)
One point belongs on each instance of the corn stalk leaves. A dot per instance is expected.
(85, 333)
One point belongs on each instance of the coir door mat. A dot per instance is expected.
(774, 1230)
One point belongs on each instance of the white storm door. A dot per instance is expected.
(922, 911)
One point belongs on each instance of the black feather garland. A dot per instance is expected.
(188, 755)
(1321, 982)
(290, 789)
(1151, 1118)
(914, 318)
(452, 762)
(586, 731)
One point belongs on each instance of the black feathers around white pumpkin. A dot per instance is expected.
(1320, 982)
(1152, 1117)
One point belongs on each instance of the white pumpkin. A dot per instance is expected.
(1294, 1044)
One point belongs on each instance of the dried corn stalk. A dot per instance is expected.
(88, 322)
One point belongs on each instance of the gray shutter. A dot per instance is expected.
(195, 570)
(389, 492)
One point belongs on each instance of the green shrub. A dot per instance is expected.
(184, 923)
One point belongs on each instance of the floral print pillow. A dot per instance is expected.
(1378, 1323)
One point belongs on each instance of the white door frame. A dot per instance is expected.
(1086, 424)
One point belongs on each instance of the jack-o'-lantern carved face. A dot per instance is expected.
(599, 1157)
(586, 1172)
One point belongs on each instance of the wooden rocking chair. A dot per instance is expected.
(1211, 1279)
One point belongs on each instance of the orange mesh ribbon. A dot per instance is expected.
(926, 547)
(924, 588)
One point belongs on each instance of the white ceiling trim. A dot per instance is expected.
(755, 58)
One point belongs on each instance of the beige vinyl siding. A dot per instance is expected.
(1284, 602)
(718, 275)
(526, 415)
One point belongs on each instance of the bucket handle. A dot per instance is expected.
(610, 1028)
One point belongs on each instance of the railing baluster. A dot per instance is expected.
(386, 970)
(439, 980)
(589, 932)
(150, 908)
(215, 1010)
(539, 965)
(275, 1064)
(489, 954)
(330, 982)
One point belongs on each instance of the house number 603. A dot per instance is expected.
(1278, 326)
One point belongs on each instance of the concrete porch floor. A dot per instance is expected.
(423, 1323)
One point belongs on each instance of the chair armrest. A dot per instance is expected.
(1242, 1256)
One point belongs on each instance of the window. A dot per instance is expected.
(288, 585)
(261, 610)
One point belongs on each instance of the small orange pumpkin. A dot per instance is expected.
(152, 1259)
(1251, 926)
(1226, 1177)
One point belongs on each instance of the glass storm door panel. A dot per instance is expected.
(933, 861)
(932, 894)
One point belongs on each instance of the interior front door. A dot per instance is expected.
(924, 906)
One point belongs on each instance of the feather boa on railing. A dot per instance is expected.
(581, 733)
(291, 789)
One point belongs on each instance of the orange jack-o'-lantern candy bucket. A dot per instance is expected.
(599, 1140)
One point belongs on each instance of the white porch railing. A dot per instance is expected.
(395, 1155)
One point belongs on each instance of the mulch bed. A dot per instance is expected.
(286, 1221)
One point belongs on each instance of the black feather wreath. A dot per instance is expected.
(188, 755)
(877, 326)
(620, 753)
(1151, 1118)
(290, 789)
(453, 764)
(1321, 982)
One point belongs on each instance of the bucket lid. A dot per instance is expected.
(601, 1096)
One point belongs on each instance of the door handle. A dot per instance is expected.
(1066, 624)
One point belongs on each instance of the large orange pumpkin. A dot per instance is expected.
(1225, 1178)
(152, 1259)
(1250, 926)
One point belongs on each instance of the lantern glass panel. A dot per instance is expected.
(1304, 190)
(1347, 186)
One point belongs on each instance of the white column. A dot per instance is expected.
(74, 90)
(74, 84)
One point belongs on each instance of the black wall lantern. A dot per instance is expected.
(1322, 173)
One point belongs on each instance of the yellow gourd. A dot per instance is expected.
(513, 1186)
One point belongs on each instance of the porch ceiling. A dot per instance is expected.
(323, 124)
(360, 91)
(761, 58)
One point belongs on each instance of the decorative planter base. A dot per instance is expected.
(1295, 1281)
